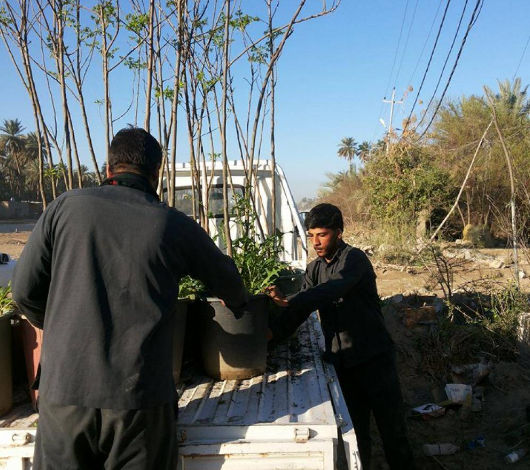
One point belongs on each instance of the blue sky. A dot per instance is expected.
(335, 71)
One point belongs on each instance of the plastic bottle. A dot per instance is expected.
(439, 449)
(516, 455)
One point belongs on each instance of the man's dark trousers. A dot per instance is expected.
(78, 438)
(373, 386)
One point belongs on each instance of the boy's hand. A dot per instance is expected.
(277, 295)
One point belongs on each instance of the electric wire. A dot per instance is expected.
(473, 20)
(478, 14)
(394, 63)
(521, 59)
(406, 43)
(445, 63)
(430, 58)
(426, 42)
(397, 48)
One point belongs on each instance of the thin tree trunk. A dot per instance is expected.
(89, 136)
(226, 214)
(433, 236)
(105, 71)
(273, 60)
(174, 107)
(76, 153)
(196, 192)
(150, 61)
(461, 216)
(273, 147)
(79, 86)
(512, 191)
(59, 21)
(33, 95)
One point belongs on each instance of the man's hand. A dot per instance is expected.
(277, 295)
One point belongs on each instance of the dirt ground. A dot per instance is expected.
(13, 243)
(502, 422)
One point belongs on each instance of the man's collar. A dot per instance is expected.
(131, 180)
(336, 255)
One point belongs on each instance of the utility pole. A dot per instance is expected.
(392, 103)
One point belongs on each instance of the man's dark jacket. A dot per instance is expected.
(344, 292)
(100, 275)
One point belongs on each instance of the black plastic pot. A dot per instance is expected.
(291, 282)
(191, 355)
(234, 348)
(6, 380)
(179, 329)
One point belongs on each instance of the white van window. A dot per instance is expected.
(216, 200)
(183, 200)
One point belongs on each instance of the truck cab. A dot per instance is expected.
(287, 217)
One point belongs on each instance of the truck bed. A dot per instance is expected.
(287, 418)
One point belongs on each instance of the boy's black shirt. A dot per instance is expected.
(344, 292)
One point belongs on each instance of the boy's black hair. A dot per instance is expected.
(134, 149)
(324, 216)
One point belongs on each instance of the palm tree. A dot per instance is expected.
(32, 146)
(511, 98)
(89, 178)
(12, 145)
(333, 183)
(32, 173)
(348, 149)
(364, 150)
(12, 140)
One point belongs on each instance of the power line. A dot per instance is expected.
(393, 65)
(397, 47)
(473, 20)
(430, 58)
(445, 63)
(403, 54)
(426, 41)
(521, 59)
(406, 43)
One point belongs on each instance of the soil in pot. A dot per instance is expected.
(234, 348)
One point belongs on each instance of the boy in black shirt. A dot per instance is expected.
(340, 283)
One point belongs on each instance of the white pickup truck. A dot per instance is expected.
(291, 417)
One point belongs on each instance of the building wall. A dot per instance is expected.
(15, 210)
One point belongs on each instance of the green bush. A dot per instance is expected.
(403, 183)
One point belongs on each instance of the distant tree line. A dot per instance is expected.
(19, 166)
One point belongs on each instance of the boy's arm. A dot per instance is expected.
(315, 296)
(354, 268)
(290, 319)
